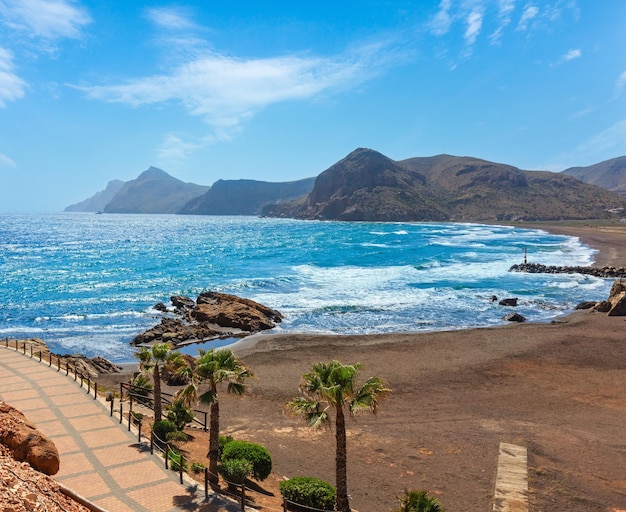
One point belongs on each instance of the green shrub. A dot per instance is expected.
(179, 414)
(418, 501)
(309, 492)
(175, 458)
(235, 471)
(197, 467)
(162, 428)
(223, 441)
(256, 454)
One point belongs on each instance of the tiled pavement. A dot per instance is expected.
(100, 460)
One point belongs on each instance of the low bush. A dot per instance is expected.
(418, 501)
(175, 458)
(162, 428)
(256, 454)
(235, 471)
(309, 492)
(197, 467)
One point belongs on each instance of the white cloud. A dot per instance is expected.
(6, 162)
(530, 12)
(620, 84)
(174, 149)
(440, 24)
(505, 9)
(170, 18)
(572, 54)
(611, 139)
(11, 86)
(46, 19)
(474, 25)
(226, 91)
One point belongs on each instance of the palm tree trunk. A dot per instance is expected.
(214, 445)
(341, 463)
(158, 408)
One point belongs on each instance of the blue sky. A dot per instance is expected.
(92, 91)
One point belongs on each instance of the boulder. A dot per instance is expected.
(588, 304)
(603, 306)
(508, 302)
(514, 317)
(25, 442)
(617, 298)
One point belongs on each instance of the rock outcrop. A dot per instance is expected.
(212, 315)
(617, 298)
(25, 442)
(615, 305)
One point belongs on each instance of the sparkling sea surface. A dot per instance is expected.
(87, 283)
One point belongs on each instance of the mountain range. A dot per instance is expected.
(368, 186)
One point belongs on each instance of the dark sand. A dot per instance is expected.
(559, 389)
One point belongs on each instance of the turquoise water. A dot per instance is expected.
(86, 283)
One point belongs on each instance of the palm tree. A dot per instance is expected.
(152, 360)
(328, 387)
(215, 367)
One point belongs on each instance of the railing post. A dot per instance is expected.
(67, 368)
(205, 421)
(24, 348)
(206, 483)
(167, 454)
(139, 432)
(284, 504)
(75, 372)
(151, 443)
(58, 364)
(40, 355)
(49, 359)
(112, 401)
(243, 497)
(31, 351)
(95, 390)
(180, 468)
(121, 411)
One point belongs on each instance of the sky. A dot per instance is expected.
(96, 90)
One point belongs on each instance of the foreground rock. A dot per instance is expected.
(25, 442)
(615, 305)
(212, 315)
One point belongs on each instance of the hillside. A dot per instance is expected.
(154, 191)
(245, 197)
(610, 174)
(99, 200)
(368, 186)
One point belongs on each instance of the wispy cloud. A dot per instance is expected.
(173, 149)
(442, 21)
(12, 87)
(571, 55)
(611, 139)
(173, 18)
(45, 19)
(474, 25)
(7, 163)
(505, 10)
(226, 91)
(530, 12)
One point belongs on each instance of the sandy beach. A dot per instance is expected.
(557, 388)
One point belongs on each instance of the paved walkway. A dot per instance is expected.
(100, 460)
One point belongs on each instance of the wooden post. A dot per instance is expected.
(243, 498)
(139, 432)
(31, 351)
(151, 443)
(284, 504)
(180, 466)
(95, 390)
(206, 483)
(121, 410)
(167, 454)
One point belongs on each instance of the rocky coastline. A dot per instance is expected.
(538, 268)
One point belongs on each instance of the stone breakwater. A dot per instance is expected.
(538, 268)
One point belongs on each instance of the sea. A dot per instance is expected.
(87, 283)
